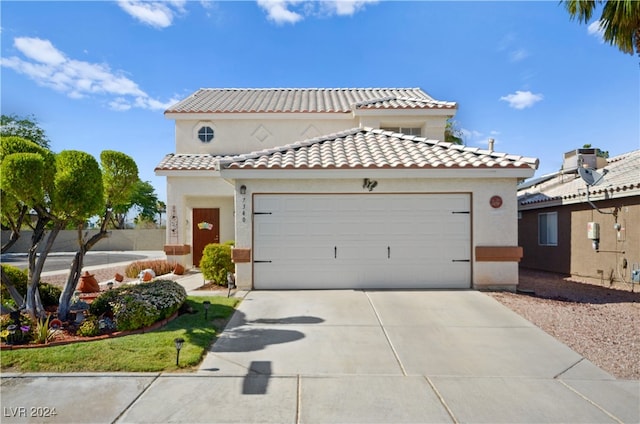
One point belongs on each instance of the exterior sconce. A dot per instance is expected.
(243, 189)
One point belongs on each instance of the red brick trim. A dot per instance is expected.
(498, 253)
(177, 249)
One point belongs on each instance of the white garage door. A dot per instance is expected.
(361, 241)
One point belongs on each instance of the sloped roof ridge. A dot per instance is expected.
(353, 131)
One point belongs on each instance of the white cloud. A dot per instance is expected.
(518, 55)
(278, 12)
(50, 67)
(522, 99)
(158, 14)
(595, 29)
(292, 11)
(346, 7)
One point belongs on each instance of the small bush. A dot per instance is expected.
(137, 306)
(216, 262)
(160, 267)
(19, 279)
(49, 294)
(89, 328)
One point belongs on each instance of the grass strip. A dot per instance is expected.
(148, 352)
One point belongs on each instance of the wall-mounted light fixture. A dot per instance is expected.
(243, 189)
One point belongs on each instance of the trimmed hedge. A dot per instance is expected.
(216, 262)
(138, 306)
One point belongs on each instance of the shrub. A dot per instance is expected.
(160, 267)
(49, 294)
(216, 262)
(19, 279)
(137, 306)
(89, 327)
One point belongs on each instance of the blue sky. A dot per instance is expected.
(99, 74)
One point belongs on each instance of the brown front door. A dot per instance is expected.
(206, 230)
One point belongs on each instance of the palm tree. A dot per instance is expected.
(620, 20)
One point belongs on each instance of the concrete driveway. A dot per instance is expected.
(395, 356)
(353, 357)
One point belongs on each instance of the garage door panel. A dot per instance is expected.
(362, 241)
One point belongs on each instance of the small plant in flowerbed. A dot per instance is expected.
(159, 267)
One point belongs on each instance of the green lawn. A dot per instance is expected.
(149, 352)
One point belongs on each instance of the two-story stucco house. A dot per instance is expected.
(340, 188)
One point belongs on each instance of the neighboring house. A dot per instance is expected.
(555, 213)
(340, 188)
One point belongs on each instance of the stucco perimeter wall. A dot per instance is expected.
(117, 240)
(489, 227)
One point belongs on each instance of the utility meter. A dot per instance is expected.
(593, 231)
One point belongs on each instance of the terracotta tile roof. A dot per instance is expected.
(336, 100)
(188, 162)
(374, 148)
(622, 179)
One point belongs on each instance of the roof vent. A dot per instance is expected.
(589, 158)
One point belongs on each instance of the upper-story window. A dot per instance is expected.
(404, 130)
(205, 134)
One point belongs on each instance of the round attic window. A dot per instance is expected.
(205, 134)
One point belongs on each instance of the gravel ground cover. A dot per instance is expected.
(599, 321)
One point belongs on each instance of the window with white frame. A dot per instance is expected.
(548, 229)
(404, 130)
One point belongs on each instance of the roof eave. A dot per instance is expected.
(391, 173)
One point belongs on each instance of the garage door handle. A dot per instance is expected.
(388, 252)
(460, 260)
(335, 252)
(261, 262)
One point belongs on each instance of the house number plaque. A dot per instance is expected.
(495, 202)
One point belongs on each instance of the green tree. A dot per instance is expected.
(620, 20)
(143, 200)
(28, 180)
(23, 127)
(13, 211)
(453, 134)
(113, 185)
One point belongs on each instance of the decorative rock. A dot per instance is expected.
(118, 277)
(88, 283)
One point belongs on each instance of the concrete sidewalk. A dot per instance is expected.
(349, 357)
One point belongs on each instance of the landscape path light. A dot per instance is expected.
(206, 305)
(178, 342)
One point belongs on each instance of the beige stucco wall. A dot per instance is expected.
(243, 136)
(185, 194)
(489, 227)
(249, 134)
